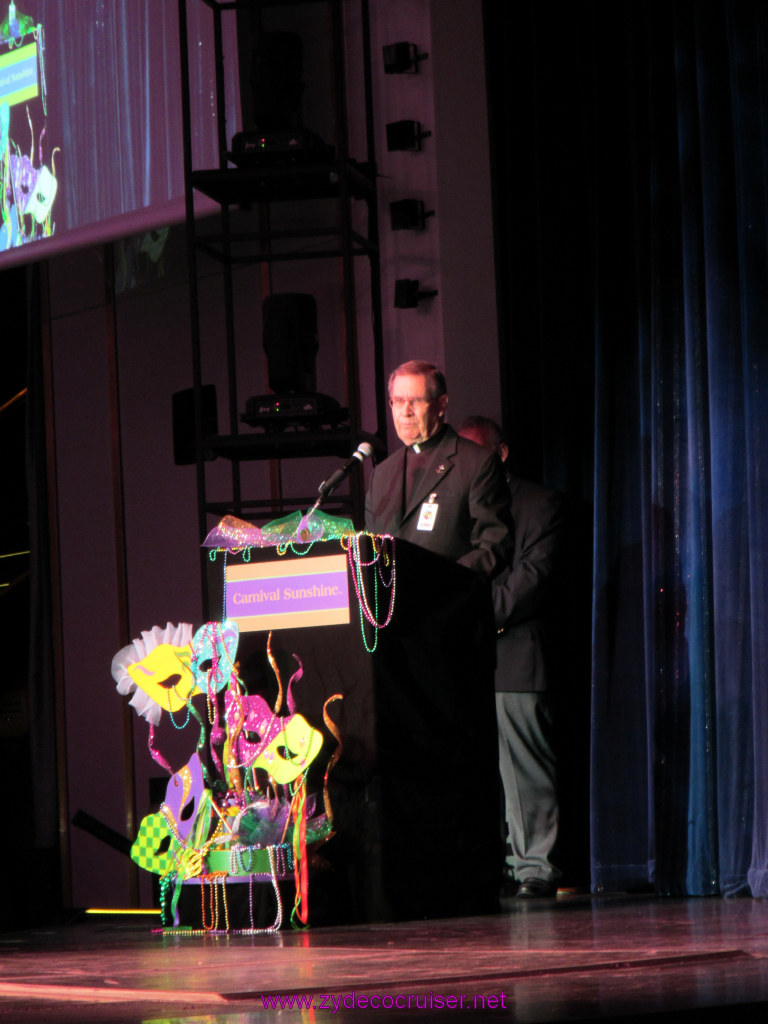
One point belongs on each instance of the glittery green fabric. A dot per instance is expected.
(232, 534)
(304, 529)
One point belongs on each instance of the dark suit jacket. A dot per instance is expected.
(525, 592)
(473, 519)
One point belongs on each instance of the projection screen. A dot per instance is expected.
(91, 118)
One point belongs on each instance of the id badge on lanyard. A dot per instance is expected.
(428, 514)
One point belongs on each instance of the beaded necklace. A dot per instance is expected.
(246, 555)
(215, 879)
(381, 560)
(174, 723)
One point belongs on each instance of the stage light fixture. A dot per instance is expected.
(277, 81)
(290, 341)
(408, 215)
(407, 294)
(402, 58)
(405, 135)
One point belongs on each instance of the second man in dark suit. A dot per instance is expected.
(523, 599)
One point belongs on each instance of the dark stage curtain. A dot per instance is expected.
(630, 161)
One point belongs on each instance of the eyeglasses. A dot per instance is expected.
(415, 403)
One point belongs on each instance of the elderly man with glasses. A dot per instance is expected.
(434, 667)
(439, 491)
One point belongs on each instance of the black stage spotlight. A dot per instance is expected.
(277, 83)
(405, 135)
(290, 341)
(408, 215)
(407, 294)
(402, 58)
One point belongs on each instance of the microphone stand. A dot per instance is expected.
(327, 487)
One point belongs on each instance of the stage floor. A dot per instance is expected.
(572, 958)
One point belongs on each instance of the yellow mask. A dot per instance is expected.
(291, 751)
(166, 676)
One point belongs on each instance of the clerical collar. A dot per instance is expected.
(431, 442)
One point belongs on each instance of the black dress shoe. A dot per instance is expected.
(509, 888)
(536, 888)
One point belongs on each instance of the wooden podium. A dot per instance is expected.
(415, 793)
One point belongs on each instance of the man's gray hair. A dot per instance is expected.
(418, 368)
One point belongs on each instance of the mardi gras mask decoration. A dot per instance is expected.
(156, 670)
(284, 747)
(213, 655)
(42, 195)
(183, 795)
(155, 848)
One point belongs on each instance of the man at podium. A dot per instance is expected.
(439, 491)
(446, 502)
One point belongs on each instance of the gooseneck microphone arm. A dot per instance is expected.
(327, 487)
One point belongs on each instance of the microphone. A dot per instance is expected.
(363, 452)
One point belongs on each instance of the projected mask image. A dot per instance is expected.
(29, 184)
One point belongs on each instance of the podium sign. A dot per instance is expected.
(288, 593)
(18, 75)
